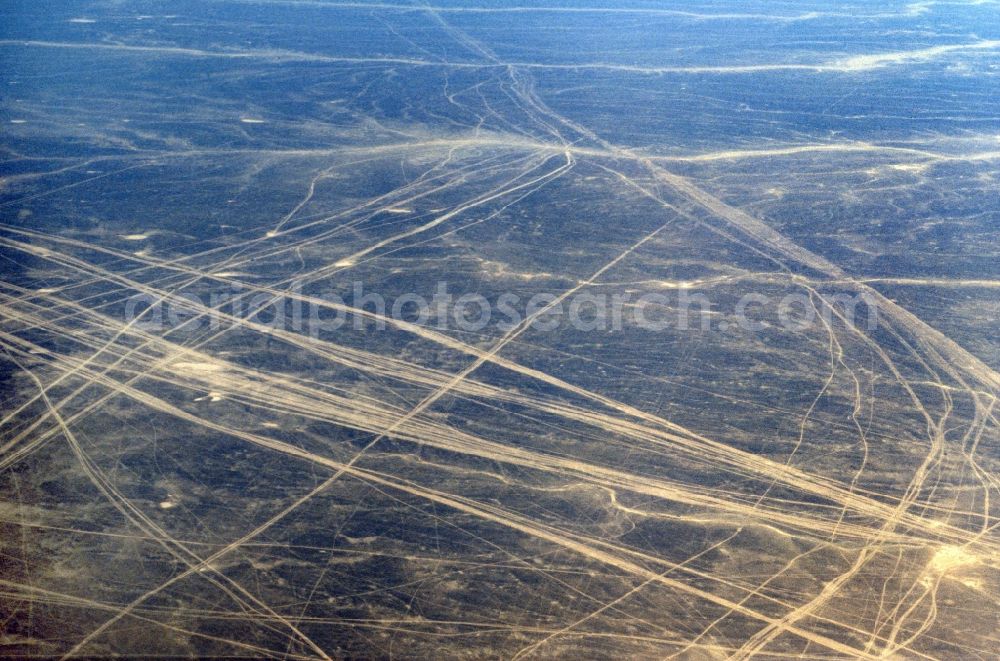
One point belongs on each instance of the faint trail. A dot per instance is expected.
(142, 521)
(526, 651)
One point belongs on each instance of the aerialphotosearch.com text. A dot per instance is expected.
(679, 309)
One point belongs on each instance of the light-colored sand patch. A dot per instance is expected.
(675, 284)
(865, 62)
(950, 558)
(199, 367)
(915, 168)
(500, 270)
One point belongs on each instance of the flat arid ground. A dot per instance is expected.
(494, 329)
